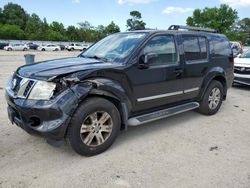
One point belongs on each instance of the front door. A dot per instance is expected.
(161, 82)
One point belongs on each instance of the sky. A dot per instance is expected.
(158, 14)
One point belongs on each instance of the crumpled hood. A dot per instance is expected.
(57, 67)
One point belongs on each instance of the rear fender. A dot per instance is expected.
(216, 73)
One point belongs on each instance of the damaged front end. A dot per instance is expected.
(43, 107)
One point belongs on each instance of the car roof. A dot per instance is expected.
(172, 32)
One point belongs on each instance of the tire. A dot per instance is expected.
(212, 99)
(83, 132)
(9, 49)
(25, 49)
(72, 49)
(43, 50)
(56, 49)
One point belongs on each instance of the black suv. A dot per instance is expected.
(126, 79)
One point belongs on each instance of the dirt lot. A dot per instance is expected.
(188, 150)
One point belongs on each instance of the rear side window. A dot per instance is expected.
(203, 47)
(220, 46)
(195, 48)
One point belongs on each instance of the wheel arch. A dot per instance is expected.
(219, 75)
(113, 94)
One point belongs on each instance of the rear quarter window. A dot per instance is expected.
(220, 46)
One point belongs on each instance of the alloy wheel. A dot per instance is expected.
(214, 98)
(96, 128)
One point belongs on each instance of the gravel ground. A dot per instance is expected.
(188, 150)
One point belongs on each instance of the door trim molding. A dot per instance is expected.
(167, 94)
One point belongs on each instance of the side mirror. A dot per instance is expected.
(145, 59)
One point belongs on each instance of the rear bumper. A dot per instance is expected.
(48, 119)
(242, 79)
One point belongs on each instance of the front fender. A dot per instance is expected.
(106, 88)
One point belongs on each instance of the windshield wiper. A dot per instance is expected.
(99, 58)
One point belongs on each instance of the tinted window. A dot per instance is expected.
(220, 46)
(191, 48)
(203, 47)
(163, 48)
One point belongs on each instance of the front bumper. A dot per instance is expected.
(48, 119)
(242, 79)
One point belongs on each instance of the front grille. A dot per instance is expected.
(21, 86)
(28, 88)
(241, 70)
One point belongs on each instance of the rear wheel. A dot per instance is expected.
(25, 49)
(72, 49)
(94, 126)
(43, 49)
(9, 49)
(212, 99)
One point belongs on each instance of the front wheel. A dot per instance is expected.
(94, 126)
(212, 99)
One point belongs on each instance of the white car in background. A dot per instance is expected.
(75, 46)
(49, 47)
(242, 68)
(17, 47)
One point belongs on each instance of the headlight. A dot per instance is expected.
(42, 90)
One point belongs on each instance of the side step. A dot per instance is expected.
(145, 118)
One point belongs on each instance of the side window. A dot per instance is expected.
(195, 48)
(163, 49)
(191, 48)
(203, 46)
(221, 46)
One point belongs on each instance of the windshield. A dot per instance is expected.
(246, 54)
(115, 48)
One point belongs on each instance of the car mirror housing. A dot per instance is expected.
(144, 60)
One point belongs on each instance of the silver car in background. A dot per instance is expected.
(16, 47)
(242, 68)
(49, 47)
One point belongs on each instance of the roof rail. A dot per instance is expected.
(177, 27)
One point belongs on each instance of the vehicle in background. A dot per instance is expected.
(75, 46)
(242, 68)
(237, 47)
(32, 46)
(2, 45)
(62, 47)
(16, 47)
(49, 47)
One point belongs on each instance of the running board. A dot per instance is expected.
(145, 118)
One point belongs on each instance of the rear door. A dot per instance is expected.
(196, 63)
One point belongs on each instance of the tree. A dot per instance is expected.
(240, 31)
(58, 27)
(111, 28)
(14, 14)
(136, 22)
(11, 32)
(221, 18)
(1, 16)
(33, 27)
(72, 33)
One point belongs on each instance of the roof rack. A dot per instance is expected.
(177, 27)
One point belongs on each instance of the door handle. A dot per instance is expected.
(178, 72)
